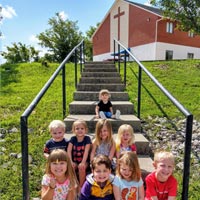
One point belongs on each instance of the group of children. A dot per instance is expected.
(112, 166)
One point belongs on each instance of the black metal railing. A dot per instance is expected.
(79, 56)
(184, 111)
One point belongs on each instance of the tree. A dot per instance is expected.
(88, 42)
(20, 53)
(186, 12)
(60, 38)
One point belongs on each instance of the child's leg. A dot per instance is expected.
(108, 114)
(82, 174)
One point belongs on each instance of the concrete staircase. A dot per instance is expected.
(104, 75)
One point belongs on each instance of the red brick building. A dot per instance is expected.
(143, 29)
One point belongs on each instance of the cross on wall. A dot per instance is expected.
(118, 15)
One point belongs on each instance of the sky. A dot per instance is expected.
(23, 20)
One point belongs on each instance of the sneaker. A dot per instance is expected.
(102, 115)
(117, 114)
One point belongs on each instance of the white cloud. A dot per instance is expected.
(33, 39)
(8, 12)
(63, 15)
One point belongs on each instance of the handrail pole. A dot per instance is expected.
(75, 64)
(119, 58)
(186, 171)
(64, 90)
(139, 90)
(114, 51)
(125, 69)
(80, 57)
(24, 150)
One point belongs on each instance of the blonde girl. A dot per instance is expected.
(59, 181)
(103, 142)
(78, 149)
(125, 140)
(128, 183)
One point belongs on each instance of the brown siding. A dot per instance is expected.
(142, 26)
(101, 40)
(177, 37)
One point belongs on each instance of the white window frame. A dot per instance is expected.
(169, 27)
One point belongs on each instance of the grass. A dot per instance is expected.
(20, 83)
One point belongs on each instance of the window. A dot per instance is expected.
(169, 27)
(168, 55)
(190, 34)
(190, 55)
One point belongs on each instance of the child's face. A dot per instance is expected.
(104, 133)
(80, 130)
(58, 168)
(57, 134)
(126, 136)
(101, 173)
(104, 97)
(164, 168)
(125, 171)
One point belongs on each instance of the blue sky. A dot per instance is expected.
(24, 19)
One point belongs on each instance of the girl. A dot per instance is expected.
(103, 142)
(60, 181)
(125, 140)
(128, 183)
(78, 149)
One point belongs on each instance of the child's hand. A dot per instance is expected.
(52, 183)
(97, 116)
(81, 165)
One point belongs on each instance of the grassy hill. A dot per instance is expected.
(20, 83)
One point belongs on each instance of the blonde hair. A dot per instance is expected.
(61, 155)
(122, 128)
(99, 126)
(130, 159)
(77, 122)
(56, 124)
(104, 91)
(160, 155)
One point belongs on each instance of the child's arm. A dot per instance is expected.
(86, 152)
(111, 110)
(141, 193)
(94, 146)
(46, 193)
(171, 198)
(69, 152)
(97, 111)
(72, 194)
(116, 192)
(112, 151)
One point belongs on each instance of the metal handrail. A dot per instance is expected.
(33, 104)
(182, 109)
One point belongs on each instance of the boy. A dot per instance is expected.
(104, 107)
(161, 184)
(57, 131)
(98, 184)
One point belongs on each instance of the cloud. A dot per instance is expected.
(8, 12)
(63, 15)
(33, 39)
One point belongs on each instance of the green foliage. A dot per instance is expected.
(19, 53)
(185, 12)
(20, 83)
(60, 38)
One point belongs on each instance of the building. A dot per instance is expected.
(143, 29)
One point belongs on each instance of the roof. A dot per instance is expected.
(149, 8)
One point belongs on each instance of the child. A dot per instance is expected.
(98, 185)
(60, 181)
(128, 183)
(161, 184)
(125, 140)
(103, 142)
(104, 107)
(57, 131)
(78, 149)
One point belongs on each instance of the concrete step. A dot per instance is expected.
(104, 80)
(94, 96)
(100, 74)
(91, 122)
(88, 107)
(98, 87)
(99, 64)
(100, 69)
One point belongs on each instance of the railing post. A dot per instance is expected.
(64, 90)
(75, 68)
(186, 171)
(125, 68)
(24, 150)
(119, 58)
(139, 90)
(114, 51)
